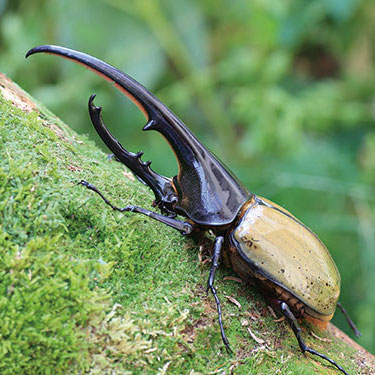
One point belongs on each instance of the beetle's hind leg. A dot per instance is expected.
(218, 244)
(182, 226)
(297, 332)
(350, 322)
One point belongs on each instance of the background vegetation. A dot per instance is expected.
(282, 91)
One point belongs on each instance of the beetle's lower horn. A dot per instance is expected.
(160, 185)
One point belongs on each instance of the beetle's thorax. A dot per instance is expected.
(208, 193)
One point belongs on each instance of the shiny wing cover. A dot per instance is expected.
(278, 246)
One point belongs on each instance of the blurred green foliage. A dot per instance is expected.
(282, 91)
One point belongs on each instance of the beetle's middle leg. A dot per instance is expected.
(297, 332)
(182, 226)
(218, 244)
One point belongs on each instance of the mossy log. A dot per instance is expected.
(85, 290)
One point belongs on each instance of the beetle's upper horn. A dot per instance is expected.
(201, 178)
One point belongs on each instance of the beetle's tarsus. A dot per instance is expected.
(350, 322)
(183, 226)
(297, 332)
(227, 347)
(85, 183)
(210, 286)
(94, 188)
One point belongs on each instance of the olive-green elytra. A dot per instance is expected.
(286, 252)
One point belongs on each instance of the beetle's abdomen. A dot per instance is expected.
(278, 246)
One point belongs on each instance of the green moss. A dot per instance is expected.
(87, 290)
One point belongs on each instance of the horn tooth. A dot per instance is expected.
(148, 163)
(150, 125)
(139, 154)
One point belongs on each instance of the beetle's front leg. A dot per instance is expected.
(182, 226)
(218, 244)
(297, 332)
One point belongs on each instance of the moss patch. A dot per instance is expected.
(86, 290)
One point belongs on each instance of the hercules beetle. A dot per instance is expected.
(261, 241)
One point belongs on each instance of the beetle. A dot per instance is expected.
(263, 242)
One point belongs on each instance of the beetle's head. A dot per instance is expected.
(204, 190)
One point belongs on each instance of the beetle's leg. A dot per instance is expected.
(210, 285)
(182, 226)
(350, 322)
(297, 331)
